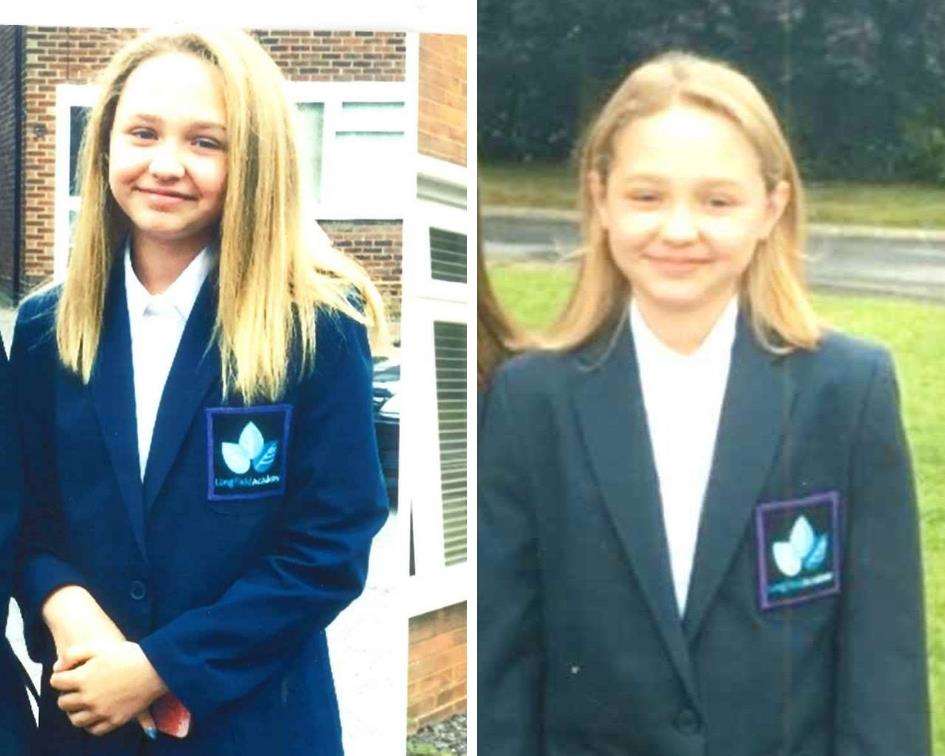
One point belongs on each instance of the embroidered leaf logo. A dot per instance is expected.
(804, 549)
(251, 450)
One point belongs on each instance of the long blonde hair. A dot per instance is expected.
(275, 271)
(773, 287)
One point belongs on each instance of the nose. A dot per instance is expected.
(166, 164)
(680, 225)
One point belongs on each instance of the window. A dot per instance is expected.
(353, 146)
(449, 348)
(447, 255)
(435, 320)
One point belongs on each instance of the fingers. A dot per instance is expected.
(102, 728)
(147, 724)
(72, 657)
(86, 719)
(66, 681)
(71, 702)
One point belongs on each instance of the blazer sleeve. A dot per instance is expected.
(510, 653)
(882, 705)
(44, 562)
(317, 561)
(11, 492)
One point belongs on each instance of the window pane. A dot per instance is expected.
(78, 115)
(311, 131)
(449, 343)
(372, 116)
(447, 256)
(371, 168)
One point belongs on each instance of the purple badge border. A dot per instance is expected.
(266, 408)
(831, 497)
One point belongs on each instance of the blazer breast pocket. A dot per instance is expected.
(247, 457)
(797, 546)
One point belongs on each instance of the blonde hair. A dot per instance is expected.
(773, 288)
(276, 273)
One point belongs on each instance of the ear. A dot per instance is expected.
(778, 199)
(598, 192)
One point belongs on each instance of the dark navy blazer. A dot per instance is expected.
(241, 545)
(581, 647)
(16, 719)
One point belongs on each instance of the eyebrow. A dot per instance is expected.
(656, 179)
(148, 118)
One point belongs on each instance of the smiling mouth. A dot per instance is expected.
(677, 262)
(158, 193)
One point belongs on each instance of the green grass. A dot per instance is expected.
(915, 332)
(554, 185)
(424, 749)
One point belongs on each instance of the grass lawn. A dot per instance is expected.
(553, 185)
(914, 332)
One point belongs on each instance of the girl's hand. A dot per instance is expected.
(106, 685)
(76, 620)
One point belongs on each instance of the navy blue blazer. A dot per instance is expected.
(16, 719)
(248, 535)
(803, 631)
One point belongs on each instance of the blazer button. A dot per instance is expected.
(138, 590)
(687, 722)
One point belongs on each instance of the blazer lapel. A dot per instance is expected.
(113, 396)
(758, 401)
(195, 366)
(612, 418)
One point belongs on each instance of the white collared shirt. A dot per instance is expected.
(157, 323)
(683, 397)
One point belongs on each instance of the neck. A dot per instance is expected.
(682, 330)
(157, 264)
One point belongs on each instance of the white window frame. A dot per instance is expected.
(332, 95)
(433, 585)
(68, 96)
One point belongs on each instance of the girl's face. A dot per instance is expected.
(167, 152)
(685, 206)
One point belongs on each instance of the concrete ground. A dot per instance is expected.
(367, 642)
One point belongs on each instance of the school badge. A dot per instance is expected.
(798, 549)
(246, 451)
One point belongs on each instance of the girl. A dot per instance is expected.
(195, 399)
(698, 528)
(16, 719)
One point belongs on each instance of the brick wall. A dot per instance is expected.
(443, 97)
(57, 55)
(378, 247)
(306, 55)
(436, 672)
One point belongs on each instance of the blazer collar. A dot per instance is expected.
(113, 396)
(195, 366)
(612, 420)
(758, 402)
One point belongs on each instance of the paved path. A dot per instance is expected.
(907, 265)
(368, 643)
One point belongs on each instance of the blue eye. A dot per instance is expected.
(207, 143)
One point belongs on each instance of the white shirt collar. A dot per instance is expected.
(180, 295)
(716, 346)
